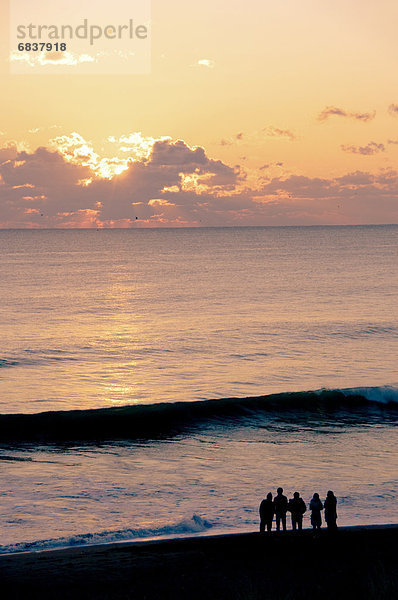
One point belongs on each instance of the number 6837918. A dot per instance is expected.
(42, 46)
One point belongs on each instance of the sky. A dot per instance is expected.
(271, 112)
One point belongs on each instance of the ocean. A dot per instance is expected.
(160, 382)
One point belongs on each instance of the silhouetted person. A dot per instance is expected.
(297, 508)
(315, 507)
(266, 513)
(330, 506)
(280, 505)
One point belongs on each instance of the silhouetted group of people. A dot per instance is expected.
(280, 506)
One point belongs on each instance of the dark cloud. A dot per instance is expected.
(315, 187)
(8, 152)
(393, 110)
(368, 150)
(178, 185)
(333, 111)
(276, 132)
(171, 159)
(165, 152)
(298, 186)
(238, 137)
(44, 181)
(273, 164)
(355, 179)
(40, 183)
(42, 168)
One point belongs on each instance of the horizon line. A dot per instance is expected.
(195, 227)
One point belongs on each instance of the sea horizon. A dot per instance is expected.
(194, 227)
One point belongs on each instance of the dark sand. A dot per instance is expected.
(355, 563)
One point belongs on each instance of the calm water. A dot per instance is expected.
(94, 319)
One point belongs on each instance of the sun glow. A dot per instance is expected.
(129, 148)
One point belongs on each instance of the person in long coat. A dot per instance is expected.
(330, 506)
(316, 507)
(267, 511)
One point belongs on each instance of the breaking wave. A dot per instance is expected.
(195, 524)
(163, 419)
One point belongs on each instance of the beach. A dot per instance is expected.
(355, 562)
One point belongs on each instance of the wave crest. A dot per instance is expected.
(153, 421)
(195, 524)
(381, 395)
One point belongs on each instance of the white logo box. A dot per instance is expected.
(80, 37)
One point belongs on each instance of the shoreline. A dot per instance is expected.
(188, 537)
(354, 562)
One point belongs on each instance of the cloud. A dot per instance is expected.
(132, 146)
(42, 59)
(178, 185)
(41, 180)
(42, 169)
(258, 136)
(177, 158)
(167, 153)
(355, 180)
(238, 137)
(135, 144)
(331, 111)
(205, 62)
(269, 165)
(368, 150)
(276, 132)
(65, 188)
(8, 152)
(76, 149)
(393, 110)
(34, 130)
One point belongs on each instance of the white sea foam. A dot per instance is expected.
(195, 524)
(382, 395)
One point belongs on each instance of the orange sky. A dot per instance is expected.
(293, 105)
